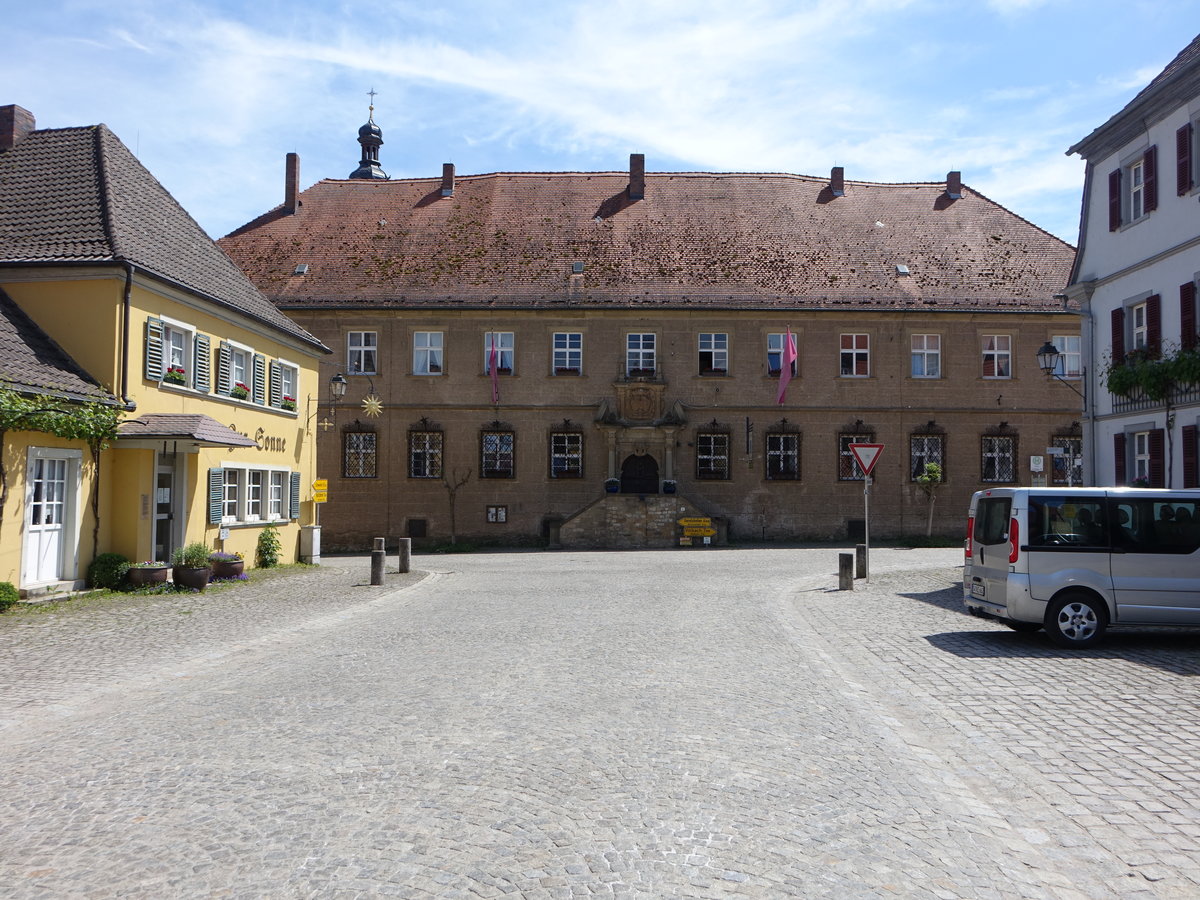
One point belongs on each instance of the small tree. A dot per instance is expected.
(930, 480)
(452, 484)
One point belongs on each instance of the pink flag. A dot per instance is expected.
(787, 359)
(492, 364)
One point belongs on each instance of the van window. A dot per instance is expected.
(1055, 521)
(991, 520)
(1155, 525)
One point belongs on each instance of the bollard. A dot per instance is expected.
(378, 555)
(845, 572)
(860, 560)
(405, 555)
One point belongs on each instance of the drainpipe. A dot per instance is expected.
(130, 405)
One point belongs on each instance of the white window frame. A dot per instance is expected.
(248, 494)
(277, 495)
(241, 354)
(179, 356)
(362, 352)
(506, 343)
(775, 343)
(567, 349)
(427, 353)
(925, 355)
(855, 349)
(1136, 172)
(641, 352)
(713, 348)
(713, 450)
(566, 453)
(997, 348)
(497, 447)
(1070, 358)
(1139, 329)
(289, 377)
(430, 450)
(783, 447)
(1141, 455)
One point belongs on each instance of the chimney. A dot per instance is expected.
(837, 181)
(637, 176)
(15, 123)
(447, 179)
(291, 184)
(954, 185)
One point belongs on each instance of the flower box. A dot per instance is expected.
(641, 373)
(288, 403)
(175, 375)
(566, 370)
(239, 391)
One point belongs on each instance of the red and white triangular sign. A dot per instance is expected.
(867, 455)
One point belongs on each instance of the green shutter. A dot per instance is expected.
(202, 364)
(276, 384)
(154, 349)
(295, 495)
(258, 390)
(216, 495)
(224, 368)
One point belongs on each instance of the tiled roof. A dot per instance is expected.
(697, 239)
(79, 195)
(183, 426)
(31, 362)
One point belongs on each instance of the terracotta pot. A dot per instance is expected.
(227, 568)
(141, 576)
(186, 576)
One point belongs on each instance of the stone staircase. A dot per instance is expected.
(632, 522)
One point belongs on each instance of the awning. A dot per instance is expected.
(201, 430)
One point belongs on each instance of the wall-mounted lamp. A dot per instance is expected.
(1048, 358)
(337, 386)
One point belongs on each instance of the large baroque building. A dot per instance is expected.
(1135, 279)
(587, 357)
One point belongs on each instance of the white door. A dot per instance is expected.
(46, 513)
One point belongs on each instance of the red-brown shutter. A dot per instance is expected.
(1157, 469)
(1183, 159)
(1150, 178)
(1118, 335)
(1154, 324)
(1119, 459)
(1190, 470)
(1187, 315)
(1114, 200)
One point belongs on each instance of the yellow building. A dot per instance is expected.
(218, 386)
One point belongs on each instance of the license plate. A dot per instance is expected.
(977, 590)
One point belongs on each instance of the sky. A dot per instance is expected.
(211, 96)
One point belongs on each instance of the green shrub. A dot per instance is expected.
(108, 571)
(269, 547)
(191, 556)
(9, 595)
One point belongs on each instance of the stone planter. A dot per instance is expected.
(186, 576)
(140, 576)
(227, 568)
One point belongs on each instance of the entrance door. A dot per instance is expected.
(164, 513)
(639, 475)
(45, 517)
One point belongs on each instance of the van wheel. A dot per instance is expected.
(1076, 620)
(1023, 627)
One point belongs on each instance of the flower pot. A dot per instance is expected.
(227, 568)
(186, 576)
(140, 576)
(612, 486)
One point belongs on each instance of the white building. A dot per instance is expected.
(1135, 280)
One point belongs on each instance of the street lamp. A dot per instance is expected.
(1048, 357)
(337, 386)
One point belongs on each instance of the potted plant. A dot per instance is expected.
(239, 391)
(190, 566)
(151, 571)
(289, 403)
(668, 486)
(612, 485)
(175, 375)
(226, 565)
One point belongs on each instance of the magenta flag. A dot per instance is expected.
(492, 365)
(788, 358)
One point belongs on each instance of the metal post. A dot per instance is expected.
(405, 555)
(866, 568)
(845, 572)
(378, 555)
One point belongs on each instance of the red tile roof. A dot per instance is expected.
(697, 239)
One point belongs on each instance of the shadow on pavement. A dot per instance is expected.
(949, 599)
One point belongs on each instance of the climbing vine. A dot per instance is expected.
(1152, 375)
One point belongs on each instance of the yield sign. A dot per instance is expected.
(867, 455)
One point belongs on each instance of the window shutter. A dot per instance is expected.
(1187, 315)
(294, 496)
(1183, 159)
(1154, 323)
(276, 388)
(224, 368)
(1150, 178)
(258, 391)
(1190, 470)
(1157, 442)
(1114, 200)
(154, 349)
(202, 364)
(1118, 335)
(216, 495)
(1119, 459)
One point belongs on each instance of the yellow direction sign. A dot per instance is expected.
(320, 496)
(321, 484)
(695, 521)
(694, 531)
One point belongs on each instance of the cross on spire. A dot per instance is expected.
(371, 94)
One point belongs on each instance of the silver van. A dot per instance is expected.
(1076, 560)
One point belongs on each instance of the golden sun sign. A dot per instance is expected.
(372, 406)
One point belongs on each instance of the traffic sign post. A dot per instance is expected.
(866, 455)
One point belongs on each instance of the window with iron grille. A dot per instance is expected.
(1068, 468)
(712, 456)
(926, 448)
(496, 454)
(783, 456)
(998, 464)
(566, 455)
(848, 467)
(425, 454)
(358, 454)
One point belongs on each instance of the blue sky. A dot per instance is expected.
(212, 95)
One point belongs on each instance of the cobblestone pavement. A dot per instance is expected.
(692, 724)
